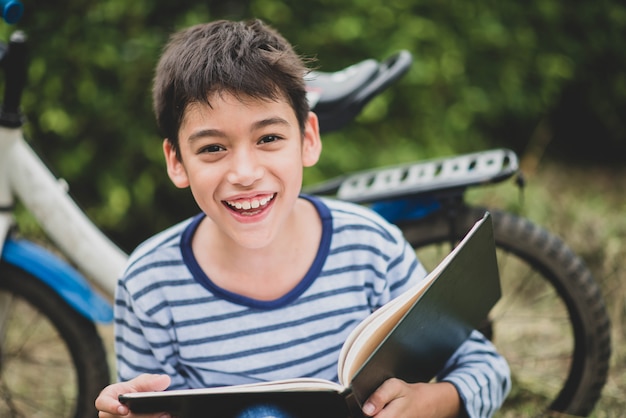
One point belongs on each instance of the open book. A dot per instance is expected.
(410, 338)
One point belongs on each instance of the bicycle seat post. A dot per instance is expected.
(450, 204)
(14, 65)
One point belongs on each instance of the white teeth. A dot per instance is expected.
(250, 204)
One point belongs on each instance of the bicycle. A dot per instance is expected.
(53, 362)
(425, 199)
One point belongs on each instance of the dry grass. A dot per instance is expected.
(586, 207)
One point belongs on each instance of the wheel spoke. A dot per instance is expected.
(53, 363)
(36, 379)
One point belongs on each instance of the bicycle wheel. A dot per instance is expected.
(53, 362)
(551, 323)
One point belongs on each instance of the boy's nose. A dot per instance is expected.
(245, 169)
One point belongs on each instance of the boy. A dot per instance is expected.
(264, 284)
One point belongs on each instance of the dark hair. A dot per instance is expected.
(246, 59)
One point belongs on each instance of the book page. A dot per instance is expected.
(371, 332)
(373, 329)
(287, 385)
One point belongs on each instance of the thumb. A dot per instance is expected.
(108, 401)
(150, 382)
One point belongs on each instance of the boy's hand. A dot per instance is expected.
(108, 404)
(396, 398)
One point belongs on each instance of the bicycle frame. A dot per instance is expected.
(391, 191)
(24, 176)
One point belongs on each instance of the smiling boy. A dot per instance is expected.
(264, 283)
(243, 161)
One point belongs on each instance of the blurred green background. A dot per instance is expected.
(543, 77)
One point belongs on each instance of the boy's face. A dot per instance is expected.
(243, 161)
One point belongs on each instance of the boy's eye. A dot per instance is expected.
(212, 148)
(269, 138)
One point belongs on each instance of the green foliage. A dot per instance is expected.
(485, 73)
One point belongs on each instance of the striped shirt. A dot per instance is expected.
(171, 318)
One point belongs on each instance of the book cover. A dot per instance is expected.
(410, 338)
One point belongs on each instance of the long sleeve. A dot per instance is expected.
(480, 374)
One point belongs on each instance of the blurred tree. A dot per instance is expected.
(539, 76)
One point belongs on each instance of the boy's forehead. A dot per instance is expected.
(245, 98)
(225, 101)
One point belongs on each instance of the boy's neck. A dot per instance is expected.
(262, 273)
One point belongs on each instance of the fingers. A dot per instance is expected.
(397, 399)
(108, 403)
(388, 391)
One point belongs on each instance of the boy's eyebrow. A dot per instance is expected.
(203, 133)
(268, 122)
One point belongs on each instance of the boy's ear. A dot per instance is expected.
(311, 143)
(175, 168)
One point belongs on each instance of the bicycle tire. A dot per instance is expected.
(557, 282)
(53, 362)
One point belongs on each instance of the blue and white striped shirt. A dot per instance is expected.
(171, 318)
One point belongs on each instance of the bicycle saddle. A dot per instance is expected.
(337, 97)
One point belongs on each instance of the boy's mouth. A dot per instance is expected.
(249, 206)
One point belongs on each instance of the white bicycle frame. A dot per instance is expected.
(24, 176)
